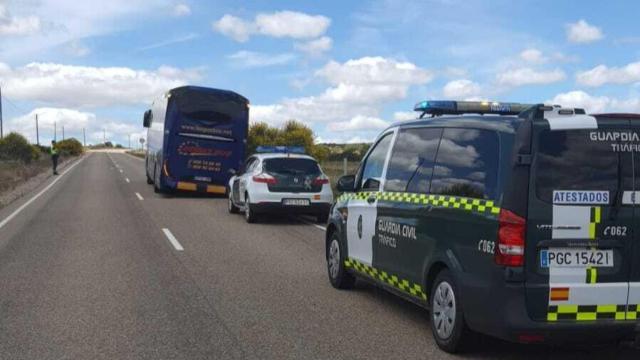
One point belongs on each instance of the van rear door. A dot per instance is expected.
(580, 231)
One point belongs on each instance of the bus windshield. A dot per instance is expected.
(209, 116)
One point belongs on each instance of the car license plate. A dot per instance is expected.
(567, 258)
(295, 202)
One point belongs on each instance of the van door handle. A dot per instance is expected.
(371, 199)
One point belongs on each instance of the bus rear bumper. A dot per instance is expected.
(196, 187)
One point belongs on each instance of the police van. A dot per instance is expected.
(511, 220)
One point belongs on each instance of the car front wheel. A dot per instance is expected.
(233, 209)
(249, 215)
(339, 277)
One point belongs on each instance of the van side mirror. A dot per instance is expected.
(346, 183)
(146, 122)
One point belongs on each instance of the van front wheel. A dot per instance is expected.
(447, 319)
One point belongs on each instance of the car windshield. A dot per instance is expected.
(291, 166)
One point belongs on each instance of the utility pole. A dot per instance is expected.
(129, 141)
(62, 132)
(84, 138)
(104, 136)
(37, 132)
(55, 131)
(1, 133)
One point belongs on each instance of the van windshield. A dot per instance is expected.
(579, 160)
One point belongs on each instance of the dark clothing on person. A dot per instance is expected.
(54, 158)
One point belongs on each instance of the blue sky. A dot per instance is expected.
(345, 68)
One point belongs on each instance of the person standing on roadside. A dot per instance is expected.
(54, 157)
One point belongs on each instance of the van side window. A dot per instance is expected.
(374, 164)
(412, 158)
(466, 164)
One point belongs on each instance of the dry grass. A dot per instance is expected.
(137, 153)
(13, 173)
(335, 169)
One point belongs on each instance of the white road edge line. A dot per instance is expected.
(172, 239)
(127, 180)
(121, 171)
(139, 196)
(36, 196)
(315, 225)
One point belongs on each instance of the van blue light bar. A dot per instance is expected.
(447, 107)
(280, 149)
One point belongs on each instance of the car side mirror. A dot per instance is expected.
(146, 122)
(346, 183)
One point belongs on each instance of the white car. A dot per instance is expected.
(280, 183)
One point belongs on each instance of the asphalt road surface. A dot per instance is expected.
(99, 267)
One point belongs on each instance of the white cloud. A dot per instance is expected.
(461, 89)
(279, 24)
(86, 86)
(315, 47)
(359, 122)
(372, 71)
(292, 24)
(596, 104)
(603, 74)
(359, 87)
(62, 21)
(251, 59)
(529, 76)
(14, 25)
(404, 115)
(582, 32)
(181, 10)
(533, 56)
(234, 27)
(72, 120)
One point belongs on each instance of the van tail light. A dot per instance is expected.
(510, 249)
(321, 180)
(265, 179)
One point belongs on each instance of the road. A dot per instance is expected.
(100, 267)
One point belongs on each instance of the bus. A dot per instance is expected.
(196, 139)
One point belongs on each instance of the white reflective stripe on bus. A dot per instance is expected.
(208, 137)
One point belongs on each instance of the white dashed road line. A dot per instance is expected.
(139, 196)
(314, 225)
(172, 239)
(36, 196)
(127, 180)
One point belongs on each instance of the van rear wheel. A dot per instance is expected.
(447, 319)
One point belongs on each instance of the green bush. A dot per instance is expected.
(293, 133)
(16, 147)
(70, 146)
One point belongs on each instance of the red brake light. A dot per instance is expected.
(511, 230)
(265, 179)
(321, 180)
